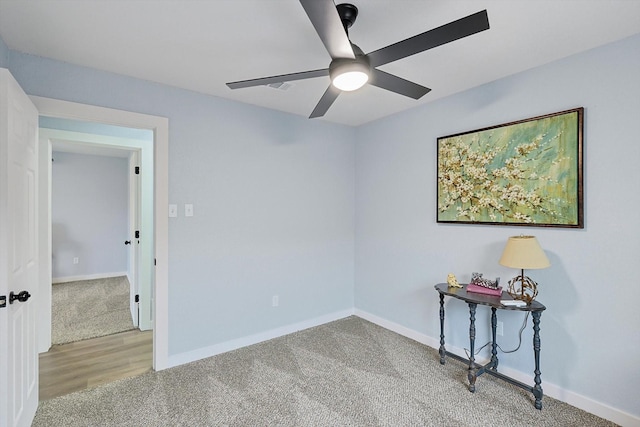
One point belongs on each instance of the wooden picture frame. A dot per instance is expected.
(527, 172)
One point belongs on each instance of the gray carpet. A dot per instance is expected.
(89, 309)
(345, 373)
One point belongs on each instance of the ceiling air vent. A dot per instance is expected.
(280, 85)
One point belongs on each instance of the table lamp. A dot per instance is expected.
(523, 252)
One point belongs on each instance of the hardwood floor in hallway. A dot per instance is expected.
(85, 364)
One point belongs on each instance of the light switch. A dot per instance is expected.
(188, 210)
(173, 211)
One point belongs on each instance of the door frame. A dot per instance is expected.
(160, 127)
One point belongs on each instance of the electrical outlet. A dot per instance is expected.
(76, 260)
(275, 300)
(499, 329)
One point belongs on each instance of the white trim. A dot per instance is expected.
(574, 399)
(160, 128)
(87, 277)
(44, 245)
(585, 403)
(399, 329)
(203, 353)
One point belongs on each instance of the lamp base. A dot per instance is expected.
(523, 288)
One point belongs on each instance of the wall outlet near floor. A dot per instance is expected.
(75, 260)
(499, 328)
(275, 300)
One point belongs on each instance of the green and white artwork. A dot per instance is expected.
(522, 173)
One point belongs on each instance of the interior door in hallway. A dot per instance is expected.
(18, 254)
(134, 225)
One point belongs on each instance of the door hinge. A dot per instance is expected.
(154, 261)
(137, 298)
(137, 169)
(3, 301)
(137, 234)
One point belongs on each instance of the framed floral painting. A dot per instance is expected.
(527, 172)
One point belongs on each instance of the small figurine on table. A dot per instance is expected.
(452, 281)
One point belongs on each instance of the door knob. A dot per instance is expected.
(127, 242)
(22, 296)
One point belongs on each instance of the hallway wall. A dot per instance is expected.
(89, 215)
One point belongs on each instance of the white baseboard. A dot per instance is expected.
(203, 353)
(410, 333)
(574, 399)
(87, 277)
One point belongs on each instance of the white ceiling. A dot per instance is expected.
(201, 45)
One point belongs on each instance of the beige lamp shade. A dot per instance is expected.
(524, 252)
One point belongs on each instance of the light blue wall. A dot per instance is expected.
(590, 331)
(89, 214)
(273, 200)
(4, 54)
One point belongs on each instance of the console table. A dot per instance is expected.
(475, 370)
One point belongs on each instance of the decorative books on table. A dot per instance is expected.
(505, 299)
(481, 285)
(478, 289)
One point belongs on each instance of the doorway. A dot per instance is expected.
(158, 256)
(98, 206)
(100, 169)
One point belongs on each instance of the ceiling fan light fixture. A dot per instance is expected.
(349, 75)
(351, 68)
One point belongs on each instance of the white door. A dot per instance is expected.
(134, 246)
(18, 254)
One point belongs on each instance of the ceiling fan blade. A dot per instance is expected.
(397, 84)
(328, 25)
(438, 36)
(325, 102)
(279, 79)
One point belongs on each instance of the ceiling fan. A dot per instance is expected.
(350, 68)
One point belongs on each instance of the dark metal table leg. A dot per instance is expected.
(472, 339)
(537, 389)
(494, 344)
(442, 349)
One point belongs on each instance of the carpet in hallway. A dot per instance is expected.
(90, 308)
